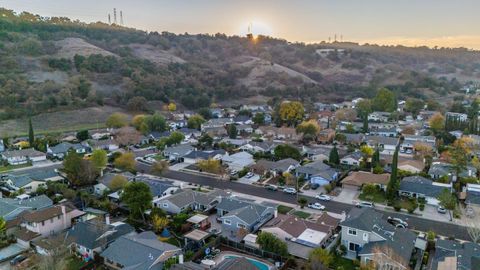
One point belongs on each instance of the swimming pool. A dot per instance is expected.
(258, 264)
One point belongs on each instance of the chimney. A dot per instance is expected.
(64, 215)
(107, 219)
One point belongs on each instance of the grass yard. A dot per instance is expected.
(405, 203)
(12, 167)
(283, 209)
(342, 263)
(171, 240)
(74, 263)
(301, 214)
(376, 197)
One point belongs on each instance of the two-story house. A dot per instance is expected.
(50, 220)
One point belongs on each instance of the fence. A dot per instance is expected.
(252, 251)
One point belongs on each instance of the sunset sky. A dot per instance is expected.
(409, 22)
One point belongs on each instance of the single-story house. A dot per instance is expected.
(259, 147)
(105, 181)
(421, 187)
(238, 161)
(12, 208)
(387, 145)
(439, 169)
(355, 180)
(185, 199)
(178, 152)
(60, 150)
(107, 145)
(453, 255)
(352, 159)
(317, 172)
(197, 155)
(23, 156)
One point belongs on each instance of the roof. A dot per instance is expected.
(313, 168)
(236, 263)
(421, 185)
(295, 226)
(197, 235)
(30, 152)
(466, 255)
(157, 187)
(25, 235)
(180, 150)
(139, 251)
(204, 154)
(381, 140)
(11, 208)
(197, 218)
(48, 213)
(92, 234)
(187, 197)
(64, 147)
(107, 178)
(441, 169)
(360, 178)
(365, 219)
(248, 212)
(473, 197)
(284, 164)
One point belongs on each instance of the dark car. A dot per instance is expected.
(314, 186)
(18, 259)
(271, 187)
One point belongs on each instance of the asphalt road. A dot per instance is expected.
(415, 223)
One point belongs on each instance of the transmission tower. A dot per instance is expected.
(121, 18)
(109, 19)
(114, 15)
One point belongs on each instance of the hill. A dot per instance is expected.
(55, 64)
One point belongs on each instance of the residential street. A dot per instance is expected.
(415, 223)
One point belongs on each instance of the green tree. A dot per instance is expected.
(309, 129)
(302, 202)
(195, 121)
(447, 199)
(31, 136)
(99, 159)
(232, 131)
(319, 258)
(83, 135)
(205, 141)
(118, 182)
(160, 167)
(414, 105)
(393, 183)
(291, 112)
(376, 158)
(283, 151)
(210, 165)
(333, 157)
(117, 120)
(175, 138)
(3, 228)
(156, 122)
(138, 197)
(125, 162)
(363, 107)
(384, 101)
(437, 122)
(259, 118)
(269, 242)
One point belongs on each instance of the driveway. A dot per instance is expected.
(347, 195)
(11, 251)
(251, 180)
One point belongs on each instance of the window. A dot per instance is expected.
(165, 205)
(353, 247)
(240, 225)
(352, 231)
(227, 222)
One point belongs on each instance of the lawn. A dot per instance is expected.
(74, 263)
(12, 167)
(342, 263)
(283, 209)
(171, 240)
(376, 197)
(301, 214)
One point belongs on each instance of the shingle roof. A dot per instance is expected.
(365, 219)
(246, 211)
(236, 263)
(467, 254)
(420, 185)
(313, 168)
(93, 234)
(30, 152)
(156, 187)
(10, 208)
(360, 178)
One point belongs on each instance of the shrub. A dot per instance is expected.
(421, 207)
(328, 188)
(397, 207)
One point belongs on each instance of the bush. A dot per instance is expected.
(421, 207)
(328, 188)
(397, 207)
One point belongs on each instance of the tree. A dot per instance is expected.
(126, 161)
(31, 136)
(138, 122)
(367, 152)
(393, 183)
(3, 229)
(447, 200)
(118, 182)
(138, 197)
(156, 122)
(83, 135)
(71, 165)
(175, 138)
(205, 141)
(349, 115)
(302, 202)
(172, 107)
(384, 101)
(127, 136)
(117, 120)
(333, 157)
(414, 105)
(137, 104)
(364, 108)
(270, 243)
(210, 165)
(159, 223)
(160, 167)
(259, 118)
(376, 158)
(99, 159)
(232, 131)
(195, 121)
(206, 113)
(291, 112)
(437, 122)
(284, 151)
(309, 129)
(319, 259)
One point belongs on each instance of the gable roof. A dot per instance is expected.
(30, 152)
(186, 197)
(466, 255)
(360, 178)
(93, 233)
(236, 263)
(157, 187)
(47, 213)
(249, 212)
(11, 208)
(422, 185)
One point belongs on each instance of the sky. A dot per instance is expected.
(447, 23)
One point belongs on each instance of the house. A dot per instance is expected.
(420, 187)
(472, 195)
(387, 145)
(141, 251)
(385, 132)
(196, 200)
(107, 145)
(317, 172)
(177, 152)
(50, 220)
(353, 139)
(259, 147)
(281, 133)
(105, 181)
(379, 116)
(11, 208)
(158, 188)
(356, 180)
(216, 123)
(21, 182)
(275, 167)
(453, 255)
(462, 117)
(439, 169)
(411, 165)
(301, 235)
(244, 129)
(326, 136)
(238, 161)
(354, 159)
(236, 214)
(89, 238)
(367, 236)
(242, 120)
(23, 156)
(197, 155)
(410, 141)
(316, 153)
(60, 150)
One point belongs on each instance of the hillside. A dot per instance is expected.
(49, 65)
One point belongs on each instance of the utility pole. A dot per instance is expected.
(114, 15)
(121, 18)
(109, 19)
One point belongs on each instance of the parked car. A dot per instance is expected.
(215, 231)
(365, 204)
(314, 186)
(323, 197)
(18, 259)
(397, 222)
(316, 205)
(290, 190)
(271, 187)
(249, 175)
(441, 210)
(233, 173)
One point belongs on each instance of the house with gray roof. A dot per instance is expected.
(11, 208)
(453, 255)
(197, 155)
(178, 152)
(317, 172)
(141, 251)
(23, 156)
(28, 180)
(367, 236)
(236, 214)
(352, 159)
(159, 188)
(387, 145)
(185, 199)
(421, 187)
(60, 150)
(259, 147)
(440, 169)
(105, 181)
(89, 237)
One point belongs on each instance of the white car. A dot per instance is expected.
(249, 175)
(365, 204)
(316, 205)
(323, 197)
(290, 190)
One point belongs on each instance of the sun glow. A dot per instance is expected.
(255, 28)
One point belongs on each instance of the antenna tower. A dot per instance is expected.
(121, 17)
(114, 15)
(109, 19)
